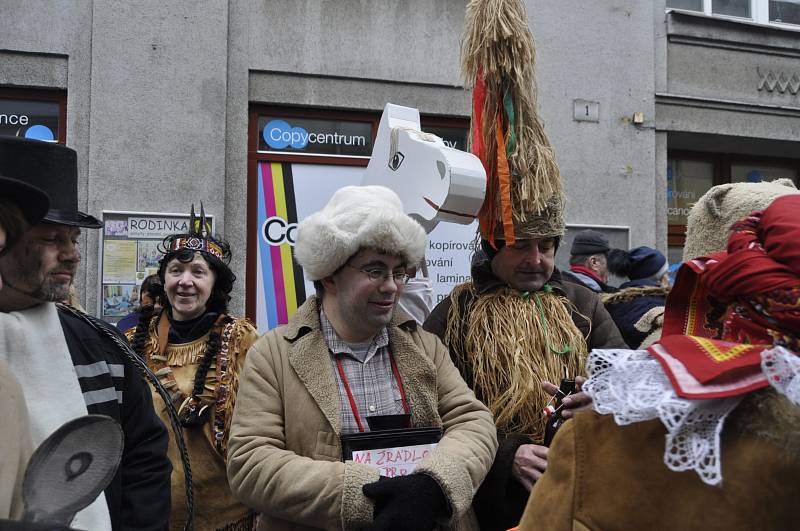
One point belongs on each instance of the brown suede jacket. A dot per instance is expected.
(500, 501)
(601, 476)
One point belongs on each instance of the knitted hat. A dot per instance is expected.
(641, 262)
(710, 219)
(588, 242)
(355, 218)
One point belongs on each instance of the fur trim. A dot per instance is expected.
(453, 478)
(357, 217)
(720, 207)
(357, 509)
(628, 294)
(652, 323)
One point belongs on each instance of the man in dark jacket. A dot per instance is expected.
(514, 330)
(66, 367)
(646, 291)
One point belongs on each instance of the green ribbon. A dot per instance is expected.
(547, 288)
(508, 105)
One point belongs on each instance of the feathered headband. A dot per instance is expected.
(523, 181)
(197, 239)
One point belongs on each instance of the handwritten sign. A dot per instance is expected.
(397, 461)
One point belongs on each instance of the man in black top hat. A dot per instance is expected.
(66, 366)
(588, 261)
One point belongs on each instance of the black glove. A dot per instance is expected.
(412, 503)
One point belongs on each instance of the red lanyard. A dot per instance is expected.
(353, 406)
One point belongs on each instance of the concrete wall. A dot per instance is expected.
(158, 92)
(158, 107)
(603, 52)
(48, 44)
(723, 79)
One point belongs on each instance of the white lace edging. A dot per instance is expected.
(782, 369)
(631, 385)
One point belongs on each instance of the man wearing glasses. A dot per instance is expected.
(346, 357)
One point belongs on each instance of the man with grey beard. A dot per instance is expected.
(67, 366)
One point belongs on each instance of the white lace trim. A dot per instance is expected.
(631, 385)
(782, 369)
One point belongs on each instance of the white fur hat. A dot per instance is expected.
(723, 205)
(357, 217)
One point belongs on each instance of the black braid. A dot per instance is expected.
(142, 330)
(212, 349)
(197, 414)
(148, 375)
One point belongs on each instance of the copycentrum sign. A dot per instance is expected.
(308, 136)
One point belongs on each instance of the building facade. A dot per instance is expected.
(167, 104)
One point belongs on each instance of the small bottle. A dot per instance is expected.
(555, 419)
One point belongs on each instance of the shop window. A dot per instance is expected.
(297, 159)
(754, 173)
(691, 173)
(35, 114)
(687, 180)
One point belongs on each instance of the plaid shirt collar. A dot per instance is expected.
(338, 346)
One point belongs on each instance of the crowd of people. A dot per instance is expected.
(697, 409)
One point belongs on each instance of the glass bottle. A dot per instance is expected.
(555, 419)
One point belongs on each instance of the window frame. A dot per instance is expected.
(254, 156)
(721, 163)
(759, 11)
(37, 94)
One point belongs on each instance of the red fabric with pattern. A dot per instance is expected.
(748, 296)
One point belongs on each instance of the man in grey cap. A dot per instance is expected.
(588, 261)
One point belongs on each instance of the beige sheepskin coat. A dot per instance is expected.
(284, 453)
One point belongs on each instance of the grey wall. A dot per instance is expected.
(158, 108)
(600, 51)
(48, 44)
(716, 79)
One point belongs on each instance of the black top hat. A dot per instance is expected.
(32, 201)
(53, 169)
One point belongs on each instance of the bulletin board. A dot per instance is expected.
(129, 252)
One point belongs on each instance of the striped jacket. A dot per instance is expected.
(139, 495)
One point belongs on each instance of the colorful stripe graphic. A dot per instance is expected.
(282, 278)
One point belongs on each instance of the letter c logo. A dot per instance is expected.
(277, 231)
(278, 134)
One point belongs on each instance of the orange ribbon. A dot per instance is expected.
(504, 178)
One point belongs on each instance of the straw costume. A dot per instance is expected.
(505, 342)
(199, 362)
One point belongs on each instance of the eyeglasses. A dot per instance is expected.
(380, 275)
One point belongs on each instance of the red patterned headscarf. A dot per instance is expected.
(725, 308)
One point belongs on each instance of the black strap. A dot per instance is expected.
(140, 364)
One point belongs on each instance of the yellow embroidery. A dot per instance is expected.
(691, 317)
(717, 354)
